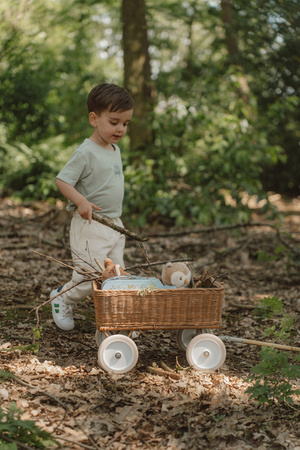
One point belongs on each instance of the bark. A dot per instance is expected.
(137, 74)
(230, 36)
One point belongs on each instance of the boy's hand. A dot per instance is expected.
(85, 209)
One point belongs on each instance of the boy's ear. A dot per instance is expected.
(93, 118)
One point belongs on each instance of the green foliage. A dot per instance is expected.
(268, 34)
(4, 374)
(33, 348)
(211, 147)
(29, 172)
(204, 158)
(265, 256)
(22, 431)
(284, 331)
(24, 82)
(268, 307)
(271, 376)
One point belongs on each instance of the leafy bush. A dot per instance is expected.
(18, 431)
(270, 377)
(203, 161)
(29, 172)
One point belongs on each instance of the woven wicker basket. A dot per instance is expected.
(160, 309)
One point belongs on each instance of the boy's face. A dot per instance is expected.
(109, 127)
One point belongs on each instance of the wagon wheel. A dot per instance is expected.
(206, 352)
(184, 337)
(118, 354)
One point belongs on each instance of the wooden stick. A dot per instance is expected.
(38, 390)
(269, 344)
(81, 272)
(110, 224)
(259, 343)
(99, 265)
(158, 371)
(158, 263)
(166, 368)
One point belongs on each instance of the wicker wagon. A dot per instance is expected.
(190, 311)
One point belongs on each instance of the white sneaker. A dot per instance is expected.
(62, 314)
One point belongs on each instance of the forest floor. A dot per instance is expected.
(61, 387)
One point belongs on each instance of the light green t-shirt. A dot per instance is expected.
(97, 174)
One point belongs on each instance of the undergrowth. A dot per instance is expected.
(272, 377)
(14, 431)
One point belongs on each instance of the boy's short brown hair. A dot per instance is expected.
(109, 97)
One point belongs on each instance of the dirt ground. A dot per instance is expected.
(61, 386)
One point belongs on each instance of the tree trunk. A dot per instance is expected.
(232, 46)
(230, 36)
(188, 74)
(137, 75)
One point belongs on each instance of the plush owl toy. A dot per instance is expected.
(112, 270)
(176, 274)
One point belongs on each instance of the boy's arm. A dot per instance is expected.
(85, 208)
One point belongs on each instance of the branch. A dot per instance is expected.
(60, 262)
(110, 224)
(19, 444)
(41, 391)
(59, 438)
(227, 227)
(158, 263)
(52, 298)
(158, 371)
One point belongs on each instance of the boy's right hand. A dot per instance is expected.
(85, 209)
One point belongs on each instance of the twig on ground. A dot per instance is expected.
(165, 373)
(178, 365)
(59, 438)
(212, 229)
(166, 368)
(41, 391)
(19, 444)
(228, 227)
(240, 305)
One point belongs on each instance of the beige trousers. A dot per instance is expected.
(87, 242)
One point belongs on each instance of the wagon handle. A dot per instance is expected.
(259, 343)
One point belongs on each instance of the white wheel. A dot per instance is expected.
(185, 336)
(206, 352)
(118, 354)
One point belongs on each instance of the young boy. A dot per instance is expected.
(93, 182)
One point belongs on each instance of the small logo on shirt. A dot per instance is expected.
(117, 170)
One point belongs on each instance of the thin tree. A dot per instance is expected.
(137, 75)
